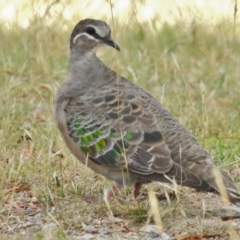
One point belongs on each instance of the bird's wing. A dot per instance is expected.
(116, 128)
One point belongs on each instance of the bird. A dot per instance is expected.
(120, 131)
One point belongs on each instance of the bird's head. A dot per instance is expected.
(90, 34)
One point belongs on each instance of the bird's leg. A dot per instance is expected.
(137, 187)
(111, 194)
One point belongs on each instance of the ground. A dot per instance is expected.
(190, 66)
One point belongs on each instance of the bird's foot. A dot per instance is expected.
(159, 196)
(112, 193)
(163, 196)
(137, 187)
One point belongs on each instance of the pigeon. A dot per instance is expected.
(120, 131)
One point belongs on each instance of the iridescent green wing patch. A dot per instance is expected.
(84, 134)
(117, 152)
(101, 142)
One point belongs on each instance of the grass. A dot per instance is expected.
(193, 69)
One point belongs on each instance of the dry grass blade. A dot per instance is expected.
(221, 186)
(155, 209)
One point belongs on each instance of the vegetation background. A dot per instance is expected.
(185, 53)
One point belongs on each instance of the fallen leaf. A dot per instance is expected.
(124, 227)
(18, 189)
(197, 237)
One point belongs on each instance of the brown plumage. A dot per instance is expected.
(120, 130)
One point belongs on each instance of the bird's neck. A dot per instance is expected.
(82, 59)
(86, 70)
(83, 62)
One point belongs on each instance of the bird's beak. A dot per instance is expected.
(111, 43)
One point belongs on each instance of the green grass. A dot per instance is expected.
(192, 69)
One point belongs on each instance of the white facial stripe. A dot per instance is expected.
(85, 34)
(99, 31)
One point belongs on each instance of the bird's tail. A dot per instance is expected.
(225, 186)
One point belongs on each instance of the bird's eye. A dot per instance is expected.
(90, 30)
